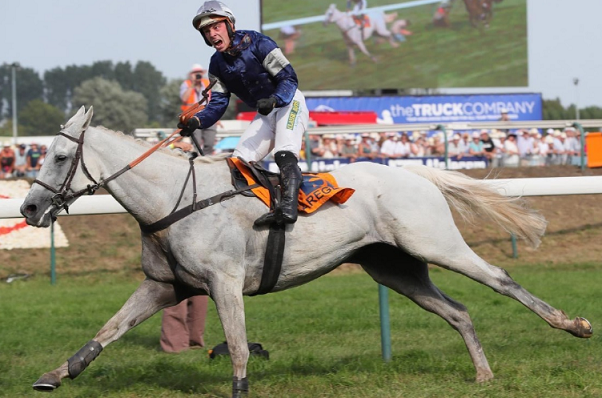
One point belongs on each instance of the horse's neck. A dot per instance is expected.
(149, 190)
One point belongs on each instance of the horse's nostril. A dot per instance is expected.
(30, 209)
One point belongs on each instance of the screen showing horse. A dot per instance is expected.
(396, 44)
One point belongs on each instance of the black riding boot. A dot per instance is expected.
(291, 178)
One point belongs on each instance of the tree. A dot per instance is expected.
(148, 81)
(169, 103)
(40, 118)
(114, 108)
(29, 87)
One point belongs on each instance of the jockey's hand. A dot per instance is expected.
(265, 105)
(187, 129)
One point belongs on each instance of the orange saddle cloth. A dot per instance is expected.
(316, 189)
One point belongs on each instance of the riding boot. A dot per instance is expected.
(291, 179)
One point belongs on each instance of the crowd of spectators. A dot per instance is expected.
(501, 149)
(21, 160)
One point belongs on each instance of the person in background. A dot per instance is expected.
(387, 148)
(455, 149)
(511, 158)
(191, 92)
(349, 149)
(7, 161)
(21, 161)
(365, 148)
(524, 142)
(488, 146)
(183, 325)
(475, 147)
(33, 160)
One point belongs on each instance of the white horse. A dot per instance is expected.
(354, 35)
(397, 221)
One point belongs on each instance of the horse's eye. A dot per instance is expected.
(61, 158)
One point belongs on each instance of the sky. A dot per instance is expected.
(564, 39)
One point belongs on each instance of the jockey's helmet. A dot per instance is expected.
(212, 12)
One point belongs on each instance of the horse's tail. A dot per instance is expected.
(470, 196)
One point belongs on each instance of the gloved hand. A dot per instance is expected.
(265, 105)
(187, 129)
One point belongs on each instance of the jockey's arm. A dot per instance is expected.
(215, 109)
(279, 67)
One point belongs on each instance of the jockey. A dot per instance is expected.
(250, 65)
(357, 9)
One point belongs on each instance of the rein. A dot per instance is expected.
(64, 194)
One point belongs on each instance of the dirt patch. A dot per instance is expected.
(111, 243)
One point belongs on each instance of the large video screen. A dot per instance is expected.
(408, 44)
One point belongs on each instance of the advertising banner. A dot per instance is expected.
(437, 109)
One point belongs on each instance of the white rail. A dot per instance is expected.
(551, 186)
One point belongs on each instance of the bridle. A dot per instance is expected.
(62, 196)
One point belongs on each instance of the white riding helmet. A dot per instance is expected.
(211, 12)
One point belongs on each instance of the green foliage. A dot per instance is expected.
(323, 339)
(114, 108)
(169, 105)
(29, 87)
(40, 118)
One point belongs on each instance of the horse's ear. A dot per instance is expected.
(80, 112)
(88, 118)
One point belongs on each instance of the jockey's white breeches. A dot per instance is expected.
(280, 130)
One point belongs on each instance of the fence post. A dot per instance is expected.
(385, 325)
(52, 256)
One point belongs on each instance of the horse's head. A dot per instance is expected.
(60, 179)
(330, 14)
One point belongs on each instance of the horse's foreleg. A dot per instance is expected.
(228, 298)
(412, 280)
(150, 297)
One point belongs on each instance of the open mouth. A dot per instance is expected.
(217, 43)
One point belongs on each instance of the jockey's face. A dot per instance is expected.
(217, 34)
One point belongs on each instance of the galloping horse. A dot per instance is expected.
(354, 35)
(397, 221)
(479, 11)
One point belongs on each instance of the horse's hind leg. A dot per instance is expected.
(150, 297)
(406, 275)
(460, 258)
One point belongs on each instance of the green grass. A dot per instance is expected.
(323, 338)
(459, 56)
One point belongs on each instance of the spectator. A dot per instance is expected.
(330, 148)
(21, 161)
(7, 161)
(365, 148)
(43, 150)
(455, 148)
(191, 92)
(499, 139)
(349, 149)
(524, 142)
(504, 115)
(551, 155)
(418, 148)
(465, 143)
(183, 325)
(488, 146)
(511, 157)
(476, 148)
(437, 145)
(315, 144)
(387, 148)
(402, 146)
(560, 153)
(573, 146)
(33, 160)
(536, 158)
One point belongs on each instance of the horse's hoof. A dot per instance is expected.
(583, 328)
(48, 382)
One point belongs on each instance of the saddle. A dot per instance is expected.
(253, 180)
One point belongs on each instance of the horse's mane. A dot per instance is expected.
(177, 152)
